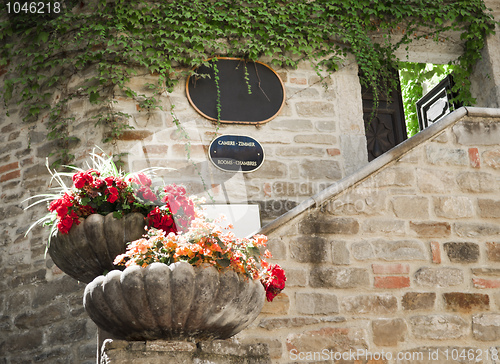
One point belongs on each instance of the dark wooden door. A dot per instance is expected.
(385, 127)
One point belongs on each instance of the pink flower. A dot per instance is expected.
(142, 179)
(147, 193)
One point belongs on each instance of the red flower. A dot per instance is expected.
(161, 219)
(80, 179)
(64, 225)
(113, 194)
(109, 180)
(275, 282)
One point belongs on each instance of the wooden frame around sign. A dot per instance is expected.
(278, 83)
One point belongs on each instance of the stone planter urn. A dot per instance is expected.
(176, 302)
(88, 250)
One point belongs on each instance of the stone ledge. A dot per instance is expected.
(182, 352)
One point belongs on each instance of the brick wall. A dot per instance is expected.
(404, 257)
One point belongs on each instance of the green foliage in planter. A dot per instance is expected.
(117, 38)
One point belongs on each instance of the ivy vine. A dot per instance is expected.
(115, 39)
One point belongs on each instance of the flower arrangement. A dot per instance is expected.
(104, 189)
(206, 242)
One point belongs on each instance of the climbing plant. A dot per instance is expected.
(114, 39)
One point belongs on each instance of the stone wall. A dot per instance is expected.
(181, 352)
(316, 140)
(401, 258)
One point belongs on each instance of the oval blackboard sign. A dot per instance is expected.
(236, 153)
(249, 92)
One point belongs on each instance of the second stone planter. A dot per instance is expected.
(176, 302)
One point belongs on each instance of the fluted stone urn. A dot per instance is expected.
(88, 250)
(175, 302)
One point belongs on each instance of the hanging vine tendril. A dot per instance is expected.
(115, 38)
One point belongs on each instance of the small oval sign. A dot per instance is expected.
(236, 153)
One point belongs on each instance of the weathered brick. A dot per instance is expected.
(388, 332)
(340, 253)
(473, 132)
(435, 252)
(10, 175)
(411, 207)
(418, 300)
(290, 322)
(486, 327)
(439, 327)
(493, 251)
(446, 156)
(277, 248)
(46, 316)
(320, 169)
(316, 303)
(439, 277)
(332, 152)
(69, 331)
(475, 160)
(489, 208)
(310, 249)
(453, 207)
(315, 139)
(297, 125)
(376, 304)
(435, 181)
(400, 250)
(390, 268)
(383, 225)
(129, 135)
(329, 225)
(431, 229)
(18, 342)
(475, 229)
(38, 170)
(362, 250)
(395, 177)
(298, 80)
(299, 151)
(316, 109)
(476, 182)
(333, 338)
(336, 277)
(9, 167)
(160, 149)
(466, 302)
(291, 189)
(462, 252)
(366, 201)
(391, 282)
(280, 305)
(296, 277)
(271, 169)
(492, 158)
(485, 283)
